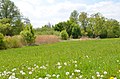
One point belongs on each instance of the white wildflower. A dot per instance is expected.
(75, 65)
(53, 75)
(115, 78)
(70, 76)
(29, 68)
(80, 76)
(48, 75)
(11, 77)
(102, 76)
(59, 67)
(87, 56)
(9, 72)
(13, 69)
(119, 70)
(30, 72)
(67, 73)
(13, 74)
(74, 61)
(5, 72)
(35, 65)
(46, 78)
(76, 70)
(97, 73)
(65, 63)
(105, 72)
(118, 61)
(23, 73)
(58, 63)
(93, 77)
(58, 76)
(73, 74)
(43, 67)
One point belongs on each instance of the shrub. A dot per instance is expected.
(64, 35)
(14, 42)
(76, 31)
(2, 42)
(28, 35)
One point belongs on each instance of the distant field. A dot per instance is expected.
(90, 59)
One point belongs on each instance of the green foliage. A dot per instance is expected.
(83, 19)
(112, 28)
(2, 42)
(46, 31)
(64, 26)
(69, 27)
(17, 26)
(5, 27)
(76, 31)
(14, 41)
(104, 28)
(28, 34)
(10, 18)
(60, 26)
(74, 16)
(64, 35)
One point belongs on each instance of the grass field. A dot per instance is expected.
(90, 59)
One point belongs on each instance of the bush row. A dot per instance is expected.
(11, 42)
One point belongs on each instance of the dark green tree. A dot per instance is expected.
(75, 31)
(8, 9)
(60, 26)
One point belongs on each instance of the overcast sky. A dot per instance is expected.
(41, 12)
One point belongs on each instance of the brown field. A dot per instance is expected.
(45, 39)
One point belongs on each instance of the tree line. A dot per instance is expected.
(95, 25)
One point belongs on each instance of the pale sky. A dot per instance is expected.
(41, 12)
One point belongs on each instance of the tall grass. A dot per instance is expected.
(14, 41)
(46, 39)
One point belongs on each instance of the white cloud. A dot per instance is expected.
(108, 8)
(40, 13)
(51, 1)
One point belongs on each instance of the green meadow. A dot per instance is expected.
(90, 59)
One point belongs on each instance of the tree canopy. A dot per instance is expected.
(9, 11)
